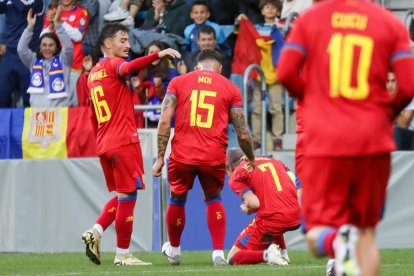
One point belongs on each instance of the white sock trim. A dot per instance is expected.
(98, 228)
(122, 250)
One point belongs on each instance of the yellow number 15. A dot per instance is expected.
(341, 51)
(198, 102)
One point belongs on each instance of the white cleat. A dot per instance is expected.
(219, 261)
(345, 247)
(173, 258)
(286, 257)
(274, 256)
(128, 259)
(92, 240)
(330, 268)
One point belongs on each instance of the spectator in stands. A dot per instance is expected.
(404, 125)
(82, 89)
(76, 22)
(91, 36)
(200, 12)
(270, 10)
(206, 40)
(153, 82)
(13, 74)
(168, 16)
(122, 12)
(50, 66)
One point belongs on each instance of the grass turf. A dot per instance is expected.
(394, 262)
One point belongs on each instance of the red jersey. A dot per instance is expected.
(78, 19)
(270, 182)
(347, 47)
(204, 99)
(113, 105)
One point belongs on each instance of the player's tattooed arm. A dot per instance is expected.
(164, 126)
(243, 134)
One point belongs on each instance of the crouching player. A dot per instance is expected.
(270, 192)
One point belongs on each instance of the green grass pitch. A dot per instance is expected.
(394, 262)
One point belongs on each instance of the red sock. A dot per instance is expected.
(216, 220)
(124, 221)
(175, 218)
(280, 240)
(325, 242)
(247, 257)
(108, 213)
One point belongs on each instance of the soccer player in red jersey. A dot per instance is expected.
(270, 192)
(336, 60)
(204, 101)
(117, 139)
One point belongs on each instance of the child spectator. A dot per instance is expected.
(153, 82)
(50, 67)
(200, 12)
(270, 10)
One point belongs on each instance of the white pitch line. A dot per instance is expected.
(228, 269)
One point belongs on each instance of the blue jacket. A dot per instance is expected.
(16, 21)
(191, 34)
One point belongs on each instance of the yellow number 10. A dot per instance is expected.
(341, 51)
(264, 167)
(198, 102)
(102, 111)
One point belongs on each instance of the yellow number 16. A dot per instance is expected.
(341, 51)
(102, 111)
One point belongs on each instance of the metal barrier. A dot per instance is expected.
(147, 107)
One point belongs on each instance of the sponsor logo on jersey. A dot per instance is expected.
(82, 21)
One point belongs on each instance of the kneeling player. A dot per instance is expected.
(270, 192)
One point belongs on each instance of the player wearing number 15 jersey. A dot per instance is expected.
(203, 101)
(117, 140)
(336, 60)
(270, 191)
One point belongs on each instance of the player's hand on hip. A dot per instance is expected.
(157, 167)
(169, 52)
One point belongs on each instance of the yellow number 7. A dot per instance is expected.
(272, 170)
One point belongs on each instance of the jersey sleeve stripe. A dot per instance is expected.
(119, 68)
(401, 54)
(245, 191)
(294, 46)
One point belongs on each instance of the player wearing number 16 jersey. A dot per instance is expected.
(203, 101)
(336, 60)
(117, 140)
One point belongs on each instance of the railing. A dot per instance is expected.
(263, 88)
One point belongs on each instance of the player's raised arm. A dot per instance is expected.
(243, 135)
(135, 65)
(164, 129)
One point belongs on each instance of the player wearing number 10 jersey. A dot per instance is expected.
(204, 101)
(336, 60)
(117, 140)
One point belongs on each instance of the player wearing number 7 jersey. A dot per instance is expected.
(270, 191)
(117, 139)
(203, 101)
(336, 60)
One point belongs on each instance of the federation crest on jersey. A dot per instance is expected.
(37, 79)
(72, 18)
(44, 126)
